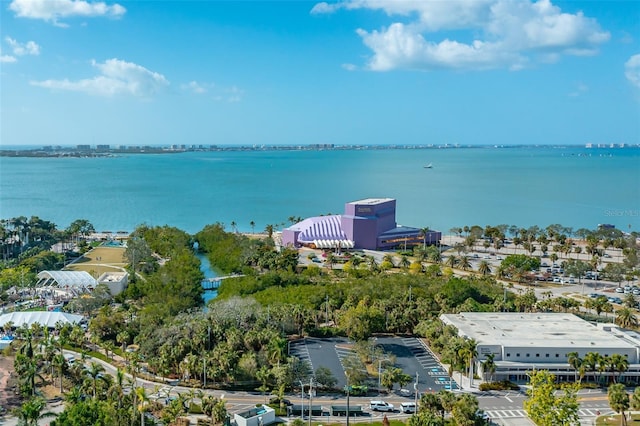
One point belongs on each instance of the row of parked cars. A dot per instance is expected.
(627, 289)
(610, 299)
(405, 407)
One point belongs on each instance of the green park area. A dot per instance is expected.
(99, 260)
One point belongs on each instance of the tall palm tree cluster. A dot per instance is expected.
(602, 368)
(91, 395)
(19, 235)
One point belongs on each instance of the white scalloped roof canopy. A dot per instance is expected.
(76, 279)
(48, 319)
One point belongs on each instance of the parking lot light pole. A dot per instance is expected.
(301, 400)
(347, 375)
(379, 375)
(415, 391)
(310, 399)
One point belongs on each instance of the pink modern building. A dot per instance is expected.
(365, 224)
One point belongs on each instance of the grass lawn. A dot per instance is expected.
(99, 260)
(614, 420)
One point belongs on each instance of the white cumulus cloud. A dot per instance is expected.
(472, 34)
(53, 10)
(6, 59)
(21, 49)
(632, 70)
(117, 77)
(195, 87)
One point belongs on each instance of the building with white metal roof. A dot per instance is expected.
(521, 342)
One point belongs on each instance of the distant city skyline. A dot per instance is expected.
(359, 72)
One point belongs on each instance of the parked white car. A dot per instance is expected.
(408, 407)
(381, 406)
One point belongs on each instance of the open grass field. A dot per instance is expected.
(100, 260)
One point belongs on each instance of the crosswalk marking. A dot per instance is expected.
(502, 414)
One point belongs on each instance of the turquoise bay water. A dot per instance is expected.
(576, 187)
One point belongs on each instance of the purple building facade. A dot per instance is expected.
(365, 224)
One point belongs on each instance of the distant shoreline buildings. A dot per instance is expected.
(104, 150)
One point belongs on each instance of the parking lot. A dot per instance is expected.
(410, 354)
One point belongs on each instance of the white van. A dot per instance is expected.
(381, 406)
(408, 407)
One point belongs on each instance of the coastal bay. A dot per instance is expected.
(575, 186)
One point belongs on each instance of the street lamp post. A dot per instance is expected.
(310, 399)
(347, 375)
(379, 375)
(415, 391)
(204, 372)
(301, 399)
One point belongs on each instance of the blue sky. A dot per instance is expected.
(292, 72)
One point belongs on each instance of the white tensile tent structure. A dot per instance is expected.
(44, 318)
(75, 281)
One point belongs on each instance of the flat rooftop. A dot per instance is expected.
(372, 201)
(533, 330)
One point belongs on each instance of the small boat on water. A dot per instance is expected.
(429, 166)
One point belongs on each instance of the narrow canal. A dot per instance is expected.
(208, 272)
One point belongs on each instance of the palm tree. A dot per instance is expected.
(263, 376)
(60, 362)
(484, 268)
(618, 364)
(451, 261)
(489, 366)
(471, 351)
(619, 400)
(208, 406)
(389, 258)
(31, 411)
(424, 232)
(252, 224)
(575, 362)
(234, 226)
(269, 230)
(435, 256)
(220, 411)
(94, 372)
(464, 262)
(372, 263)
(143, 399)
(331, 260)
(626, 318)
(404, 262)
